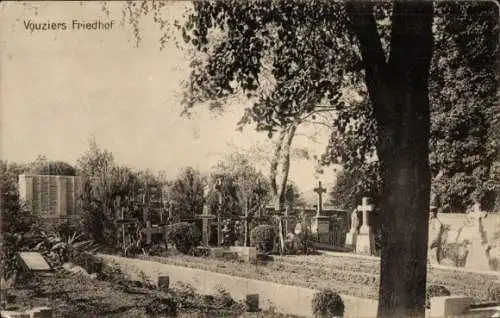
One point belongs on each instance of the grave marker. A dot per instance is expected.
(150, 230)
(320, 223)
(123, 222)
(319, 190)
(365, 241)
(34, 262)
(350, 240)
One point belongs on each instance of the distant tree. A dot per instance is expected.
(42, 166)
(249, 187)
(186, 194)
(353, 184)
(293, 197)
(106, 188)
(226, 192)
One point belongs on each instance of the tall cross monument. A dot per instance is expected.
(365, 241)
(319, 190)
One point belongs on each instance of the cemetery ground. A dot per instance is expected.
(76, 294)
(348, 275)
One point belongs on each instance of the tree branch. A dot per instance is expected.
(363, 25)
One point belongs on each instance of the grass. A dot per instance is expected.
(347, 275)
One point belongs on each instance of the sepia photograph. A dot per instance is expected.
(249, 158)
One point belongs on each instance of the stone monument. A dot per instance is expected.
(365, 240)
(478, 250)
(350, 240)
(320, 223)
(206, 218)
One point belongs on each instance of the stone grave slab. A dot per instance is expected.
(247, 254)
(34, 261)
(217, 252)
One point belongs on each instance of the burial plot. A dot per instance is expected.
(33, 262)
(365, 241)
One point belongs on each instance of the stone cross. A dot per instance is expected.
(365, 207)
(148, 231)
(206, 217)
(320, 190)
(218, 188)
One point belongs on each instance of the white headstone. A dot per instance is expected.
(365, 240)
(34, 261)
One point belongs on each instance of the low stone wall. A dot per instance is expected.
(284, 298)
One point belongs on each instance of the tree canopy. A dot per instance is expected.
(464, 112)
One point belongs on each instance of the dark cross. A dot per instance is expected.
(206, 226)
(218, 188)
(124, 222)
(320, 190)
(149, 231)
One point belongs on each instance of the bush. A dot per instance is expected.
(185, 236)
(262, 237)
(327, 303)
(435, 291)
(305, 242)
(494, 291)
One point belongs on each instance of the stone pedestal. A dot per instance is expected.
(350, 238)
(365, 240)
(365, 243)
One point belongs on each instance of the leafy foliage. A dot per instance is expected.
(250, 188)
(464, 111)
(353, 184)
(327, 303)
(262, 237)
(186, 194)
(42, 166)
(18, 226)
(185, 236)
(302, 243)
(106, 188)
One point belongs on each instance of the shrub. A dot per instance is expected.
(494, 291)
(262, 237)
(305, 242)
(435, 291)
(327, 303)
(162, 306)
(185, 236)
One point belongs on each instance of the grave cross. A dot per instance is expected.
(320, 190)
(365, 207)
(150, 230)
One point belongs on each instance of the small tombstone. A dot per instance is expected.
(365, 241)
(163, 283)
(252, 302)
(351, 236)
(217, 252)
(34, 262)
(42, 312)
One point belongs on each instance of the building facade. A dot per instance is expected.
(50, 195)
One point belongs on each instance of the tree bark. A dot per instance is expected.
(398, 91)
(281, 159)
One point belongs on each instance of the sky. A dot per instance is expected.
(59, 88)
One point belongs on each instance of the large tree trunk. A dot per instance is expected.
(399, 94)
(279, 180)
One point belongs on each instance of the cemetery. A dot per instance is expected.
(340, 254)
(386, 114)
